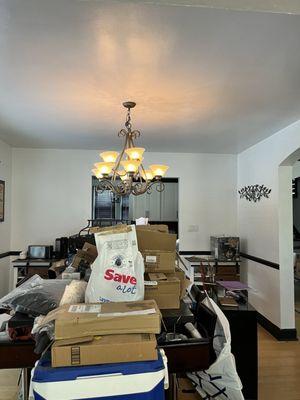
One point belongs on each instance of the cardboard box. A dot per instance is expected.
(104, 350)
(164, 289)
(97, 229)
(185, 390)
(158, 250)
(159, 228)
(88, 253)
(184, 282)
(159, 261)
(81, 320)
(155, 240)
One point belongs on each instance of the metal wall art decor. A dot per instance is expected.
(254, 192)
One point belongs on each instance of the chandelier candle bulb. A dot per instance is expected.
(135, 153)
(109, 156)
(159, 170)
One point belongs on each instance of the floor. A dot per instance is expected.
(9, 384)
(279, 371)
(297, 305)
(279, 368)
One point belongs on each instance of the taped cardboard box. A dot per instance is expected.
(159, 261)
(155, 240)
(158, 250)
(164, 289)
(104, 350)
(81, 320)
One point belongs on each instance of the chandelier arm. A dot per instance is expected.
(122, 133)
(144, 173)
(160, 186)
(105, 184)
(139, 188)
(135, 134)
(117, 165)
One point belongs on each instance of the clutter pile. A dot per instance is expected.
(97, 326)
(99, 318)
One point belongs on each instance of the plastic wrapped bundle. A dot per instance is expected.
(36, 296)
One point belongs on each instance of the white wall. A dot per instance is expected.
(264, 227)
(5, 227)
(52, 194)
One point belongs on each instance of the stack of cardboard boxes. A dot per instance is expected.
(163, 282)
(88, 334)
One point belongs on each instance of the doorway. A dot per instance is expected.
(296, 240)
(289, 288)
(160, 207)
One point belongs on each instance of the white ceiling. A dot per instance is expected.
(205, 80)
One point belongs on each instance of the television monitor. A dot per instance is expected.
(38, 252)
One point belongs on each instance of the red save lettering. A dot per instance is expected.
(111, 275)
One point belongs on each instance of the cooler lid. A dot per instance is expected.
(43, 372)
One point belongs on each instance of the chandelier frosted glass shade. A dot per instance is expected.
(104, 168)
(109, 156)
(133, 178)
(135, 153)
(159, 169)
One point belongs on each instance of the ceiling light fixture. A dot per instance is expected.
(133, 178)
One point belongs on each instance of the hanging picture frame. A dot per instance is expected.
(2, 200)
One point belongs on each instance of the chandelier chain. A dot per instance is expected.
(128, 120)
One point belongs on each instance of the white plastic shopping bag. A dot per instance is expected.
(220, 381)
(118, 271)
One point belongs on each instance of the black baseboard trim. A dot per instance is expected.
(260, 260)
(9, 253)
(279, 334)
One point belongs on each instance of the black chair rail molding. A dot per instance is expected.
(254, 192)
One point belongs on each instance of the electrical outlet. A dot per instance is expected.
(193, 228)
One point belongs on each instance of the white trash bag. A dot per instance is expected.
(220, 381)
(118, 271)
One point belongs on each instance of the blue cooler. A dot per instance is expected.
(132, 381)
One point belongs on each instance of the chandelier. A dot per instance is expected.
(123, 173)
